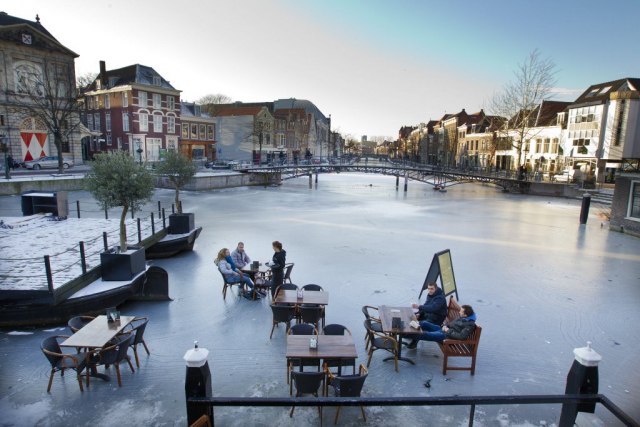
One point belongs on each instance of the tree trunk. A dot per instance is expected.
(123, 229)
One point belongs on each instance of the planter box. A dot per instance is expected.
(181, 223)
(117, 266)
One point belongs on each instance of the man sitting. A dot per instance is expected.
(459, 329)
(434, 310)
(239, 256)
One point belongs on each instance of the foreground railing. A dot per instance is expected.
(198, 406)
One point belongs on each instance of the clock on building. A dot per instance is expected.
(26, 38)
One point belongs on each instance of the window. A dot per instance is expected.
(554, 146)
(282, 140)
(107, 102)
(210, 134)
(125, 122)
(119, 142)
(107, 121)
(194, 131)
(157, 101)
(90, 121)
(634, 201)
(144, 122)
(581, 142)
(96, 119)
(157, 123)
(203, 132)
(171, 124)
(109, 139)
(90, 102)
(185, 130)
(171, 103)
(125, 99)
(157, 81)
(538, 146)
(546, 145)
(142, 99)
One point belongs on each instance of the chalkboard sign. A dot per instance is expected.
(441, 266)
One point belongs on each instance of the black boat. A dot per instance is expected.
(173, 244)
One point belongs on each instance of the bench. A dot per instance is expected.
(459, 348)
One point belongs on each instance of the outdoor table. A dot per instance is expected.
(308, 297)
(329, 347)
(96, 334)
(406, 315)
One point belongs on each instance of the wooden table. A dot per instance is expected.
(96, 334)
(406, 315)
(329, 347)
(308, 297)
(262, 272)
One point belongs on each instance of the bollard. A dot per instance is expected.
(159, 208)
(83, 259)
(78, 207)
(406, 182)
(197, 382)
(164, 219)
(316, 179)
(139, 230)
(584, 210)
(153, 225)
(104, 241)
(397, 181)
(582, 379)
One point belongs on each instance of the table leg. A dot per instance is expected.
(406, 359)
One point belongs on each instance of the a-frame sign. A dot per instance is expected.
(441, 266)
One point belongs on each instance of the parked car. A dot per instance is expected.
(48, 162)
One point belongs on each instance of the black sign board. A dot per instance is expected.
(441, 266)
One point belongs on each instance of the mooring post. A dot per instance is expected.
(584, 210)
(78, 207)
(139, 230)
(582, 379)
(197, 383)
(153, 225)
(310, 180)
(104, 241)
(406, 181)
(83, 259)
(316, 178)
(159, 208)
(106, 213)
(397, 181)
(164, 219)
(47, 268)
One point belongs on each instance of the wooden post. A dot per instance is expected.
(153, 225)
(78, 207)
(139, 231)
(47, 267)
(104, 240)
(397, 181)
(310, 180)
(164, 219)
(406, 181)
(83, 259)
(159, 208)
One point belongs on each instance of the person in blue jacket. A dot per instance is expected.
(459, 329)
(434, 309)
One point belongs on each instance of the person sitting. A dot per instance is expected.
(230, 271)
(434, 310)
(239, 256)
(459, 329)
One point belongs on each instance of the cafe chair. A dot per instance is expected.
(137, 328)
(303, 329)
(282, 314)
(60, 361)
(115, 354)
(228, 284)
(312, 287)
(336, 329)
(307, 383)
(347, 386)
(380, 341)
(203, 421)
(287, 273)
(78, 322)
(375, 323)
(310, 313)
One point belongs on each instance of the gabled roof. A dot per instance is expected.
(238, 109)
(599, 93)
(307, 106)
(41, 37)
(138, 74)
(547, 114)
(191, 109)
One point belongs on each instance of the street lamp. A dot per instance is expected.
(139, 151)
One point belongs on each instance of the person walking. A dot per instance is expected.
(434, 309)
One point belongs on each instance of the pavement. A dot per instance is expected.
(541, 284)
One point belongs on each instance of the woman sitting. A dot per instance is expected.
(230, 271)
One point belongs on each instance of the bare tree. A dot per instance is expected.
(519, 100)
(85, 80)
(49, 95)
(210, 103)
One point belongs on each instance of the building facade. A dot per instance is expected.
(37, 92)
(132, 109)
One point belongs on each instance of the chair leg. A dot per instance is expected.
(146, 348)
(337, 415)
(473, 365)
(80, 381)
(50, 380)
(395, 359)
(370, 355)
(363, 414)
(445, 360)
(135, 353)
(130, 364)
(118, 374)
(291, 412)
(272, 328)
(224, 291)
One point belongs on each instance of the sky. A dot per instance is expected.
(373, 65)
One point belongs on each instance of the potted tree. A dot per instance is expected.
(116, 180)
(179, 170)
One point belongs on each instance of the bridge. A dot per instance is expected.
(439, 178)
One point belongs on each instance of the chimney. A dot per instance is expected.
(103, 74)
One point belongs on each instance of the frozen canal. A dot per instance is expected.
(541, 285)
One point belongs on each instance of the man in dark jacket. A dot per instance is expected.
(459, 329)
(434, 310)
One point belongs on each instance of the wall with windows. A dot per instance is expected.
(625, 208)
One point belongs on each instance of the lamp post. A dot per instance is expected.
(5, 150)
(139, 151)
